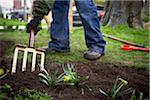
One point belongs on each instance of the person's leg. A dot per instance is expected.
(59, 30)
(93, 36)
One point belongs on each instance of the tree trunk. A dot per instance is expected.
(146, 15)
(134, 9)
(145, 11)
(123, 11)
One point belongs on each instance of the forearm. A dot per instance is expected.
(42, 7)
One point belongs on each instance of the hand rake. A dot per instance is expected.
(27, 50)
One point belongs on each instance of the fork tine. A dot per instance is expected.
(24, 60)
(15, 60)
(25, 56)
(42, 60)
(33, 61)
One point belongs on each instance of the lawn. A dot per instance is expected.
(113, 54)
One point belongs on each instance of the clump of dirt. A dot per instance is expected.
(102, 75)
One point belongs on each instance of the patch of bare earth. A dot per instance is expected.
(101, 75)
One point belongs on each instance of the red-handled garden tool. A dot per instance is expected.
(123, 41)
(26, 50)
(130, 47)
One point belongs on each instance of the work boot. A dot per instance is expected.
(92, 55)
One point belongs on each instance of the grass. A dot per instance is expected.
(114, 54)
(137, 59)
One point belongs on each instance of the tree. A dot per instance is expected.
(123, 11)
(1, 12)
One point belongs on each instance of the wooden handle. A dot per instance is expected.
(31, 39)
(123, 41)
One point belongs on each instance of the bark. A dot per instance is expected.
(1, 15)
(134, 9)
(145, 11)
(123, 11)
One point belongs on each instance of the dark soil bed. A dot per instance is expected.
(101, 75)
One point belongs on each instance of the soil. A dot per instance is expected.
(101, 75)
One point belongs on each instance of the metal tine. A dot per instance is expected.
(33, 61)
(16, 51)
(15, 60)
(42, 59)
(25, 58)
(26, 51)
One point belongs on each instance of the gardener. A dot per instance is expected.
(60, 26)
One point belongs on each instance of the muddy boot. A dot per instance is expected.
(92, 55)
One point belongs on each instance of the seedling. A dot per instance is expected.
(4, 90)
(31, 95)
(3, 73)
(51, 80)
(70, 75)
(119, 89)
(134, 97)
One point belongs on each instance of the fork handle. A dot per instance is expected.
(31, 39)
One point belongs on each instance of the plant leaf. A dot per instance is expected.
(140, 96)
(60, 76)
(126, 91)
(133, 97)
(4, 75)
(103, 92)
(117, 91)
(44, 81)
(43, 76)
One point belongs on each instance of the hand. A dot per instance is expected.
(33, 25)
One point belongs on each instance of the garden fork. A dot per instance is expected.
(27, 50)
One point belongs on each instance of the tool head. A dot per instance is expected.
(27, 50)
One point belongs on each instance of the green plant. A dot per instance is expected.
(28, 94)
(3, 74)
(23, 94)
(4, 90)
(70, 75)
(52, 79)
(1, 71)
(134, 97)
(118, 90)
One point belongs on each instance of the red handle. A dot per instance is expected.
(130, 47)
(31, 39)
